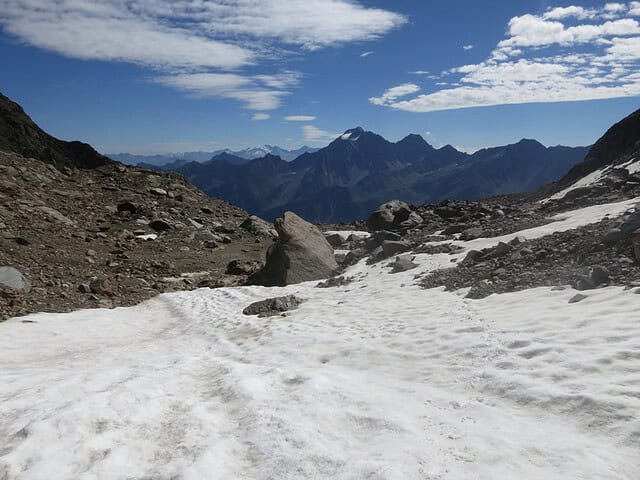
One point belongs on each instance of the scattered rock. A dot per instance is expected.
(403, 263)
(393, 215)
(158, 191)
(101, 286)
(599, 275)
(273, 306)
(577, 298)
(339, 281)
(160, 225)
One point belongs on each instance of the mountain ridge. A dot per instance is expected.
(363, 169)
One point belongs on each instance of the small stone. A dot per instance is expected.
(160, 225)
(101, 286)
(158, 191)
(599, 275)
(84, 288)
(577, 298)
(22, 241)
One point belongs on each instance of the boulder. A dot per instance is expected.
(335, 240)
(12, 278)
(471, 233)
(273, 306)
(403, 263)
(393, 215)
(391, 247)
(101, 286)
(300, 254)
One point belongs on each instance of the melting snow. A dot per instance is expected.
(633, 166)
(379, 379)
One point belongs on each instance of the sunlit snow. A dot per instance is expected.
(379, 379)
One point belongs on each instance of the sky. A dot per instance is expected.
(159, 76)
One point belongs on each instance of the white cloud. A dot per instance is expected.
(314, 134)
(559, 13)
(392, 94)
(543, 60)
(634, 9)
(468, 47)
(186, 39)
(420, 72)
(260, 116)
(366, 54)
(300, 118)
(226, 85)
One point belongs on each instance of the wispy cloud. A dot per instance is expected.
(468, 47)
(366, 54)
(249, 90)
(394, 93)
(260, 116)
(182, 38)
(314, 134)
(565, 54)
(299, 118)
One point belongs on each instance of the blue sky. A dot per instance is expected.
(161, 76)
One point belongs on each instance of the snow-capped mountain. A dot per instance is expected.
(186, 157)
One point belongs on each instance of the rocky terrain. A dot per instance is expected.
(115, 235)
(78, 233)
(588, 257)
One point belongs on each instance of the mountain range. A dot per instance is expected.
(173, 159)
(359, 170)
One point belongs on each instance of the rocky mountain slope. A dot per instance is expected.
(359, 170)
(93, 232)
(19, 134)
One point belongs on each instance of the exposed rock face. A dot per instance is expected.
(300, 254)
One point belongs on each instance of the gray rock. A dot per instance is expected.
(335, 240)
(300, 254)
(599, 275)
(501, 250)
(403, 263)
(160, 225)
(13, 278)
(158, 191)
(471, 233)
(390, 247)
(393, 215)
(636, 244)
(101, 286)
(455, 228)
(259, 227)
(241, 267)
(57, 216)
(84, 288)
(577, 298)
(273, 306)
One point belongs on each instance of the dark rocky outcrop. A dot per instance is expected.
(19, 134)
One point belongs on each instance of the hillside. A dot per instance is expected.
(96, 233)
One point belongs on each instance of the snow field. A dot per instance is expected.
(378, 379)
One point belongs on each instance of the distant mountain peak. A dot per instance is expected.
(352, 134)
